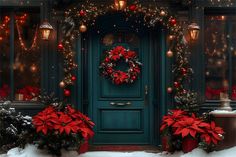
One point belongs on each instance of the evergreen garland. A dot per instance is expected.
(78, 18)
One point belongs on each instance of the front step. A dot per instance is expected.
(126, 148)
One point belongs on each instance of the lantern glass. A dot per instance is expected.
(194, 30)
(120, 4)
(45, 29)
(45, 33)
(194, 33)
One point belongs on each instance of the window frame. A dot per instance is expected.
(12, 7)
(220, 12)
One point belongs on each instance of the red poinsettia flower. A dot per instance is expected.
(71, 111)
(45, 120)
(65, 123)
(171, 118)
(86, 132)
(136, 69)
(129, 55)
(212, 134)
(188, 126)
(85, 119)
(120, 77)
(117, 52)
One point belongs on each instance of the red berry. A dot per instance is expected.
(73, 78)
(82, 13)
(169, 90)
(109, 71)
(67, 92)
(133, 7)
(176, 84)
(60, 46)
(184, 71)
(133, 78)
(173, 21)
(107, 59)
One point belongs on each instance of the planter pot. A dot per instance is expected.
(166, 143)
(189, 144)
(84, 147)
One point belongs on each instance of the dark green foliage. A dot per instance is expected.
(54, 142)
(47, 99)
(187, 101)
(15, 129)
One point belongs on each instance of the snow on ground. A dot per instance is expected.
(32, 151)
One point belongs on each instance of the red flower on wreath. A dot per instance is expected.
(130, 54)
(117, 52)
(120, 77)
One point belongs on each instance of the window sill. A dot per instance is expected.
(213, 105)
(26, 105)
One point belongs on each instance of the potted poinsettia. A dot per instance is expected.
(190, 129)
(62, 127)
(166, 129)
(211, 136)
(181, 128)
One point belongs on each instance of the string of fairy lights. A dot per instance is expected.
(19, 21)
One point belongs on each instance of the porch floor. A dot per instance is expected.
(126, 148)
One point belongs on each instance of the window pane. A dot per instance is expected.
(27, 56)
(233, 50)
(4, 55)
(216, 56)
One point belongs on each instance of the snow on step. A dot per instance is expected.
(32, 151)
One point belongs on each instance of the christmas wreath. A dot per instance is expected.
(118, 77)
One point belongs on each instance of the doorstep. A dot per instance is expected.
(125, 148)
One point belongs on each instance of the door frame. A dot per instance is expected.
(159, 100)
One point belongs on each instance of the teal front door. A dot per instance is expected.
(121, 112)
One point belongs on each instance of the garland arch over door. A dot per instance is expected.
(77, 18)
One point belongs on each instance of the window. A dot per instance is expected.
(20, 54)
(220, 56)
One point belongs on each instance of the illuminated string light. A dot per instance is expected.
(22, 43)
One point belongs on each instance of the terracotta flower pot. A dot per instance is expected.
(166, 143)
(84, 147)
(189, 144)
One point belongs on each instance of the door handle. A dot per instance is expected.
(120, 103)
(146, 95)
(146, 90)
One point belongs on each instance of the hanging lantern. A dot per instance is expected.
(194, 30)
(45, 29)
(120, 4)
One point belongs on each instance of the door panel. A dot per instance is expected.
(121, 112)
(126, 120)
